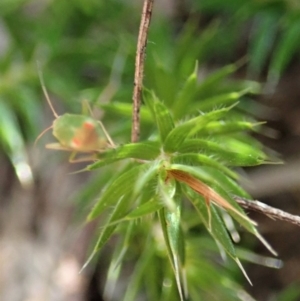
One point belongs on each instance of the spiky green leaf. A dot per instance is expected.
(229, 157)
(164, 120)
(178, 135)
(161, 114)
(186, 94)
(218, 100)
(149, 207)
(226, 127)
(217, 228)
(122, 185)
(147, 150)
(109, 228)
(200, 160)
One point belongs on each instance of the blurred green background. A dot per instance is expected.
(85, 50)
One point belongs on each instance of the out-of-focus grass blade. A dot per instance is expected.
(23, 102)
(164, 81)
(291, 293)
(185, 57)
(140, 269)
(207, 87)
(125, 109)
(266, 261)
(116, 263)
(186, 95)
(262, 41)
(14, 145)
(218, 100)
(285, 50)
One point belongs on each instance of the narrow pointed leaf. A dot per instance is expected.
(285, 50)
(140, 268)
(241, 218)
(178, 135)
(207, 87)
(218, 100)
(239, 144)
(262, 41)
(142, 150)
(164, 120)
(171, 232)
(164, 82)
(200, 160)
(149, 207)
(166, 190)
(122, 185)
(119, 210)
(227, 127)
(160, 113)
(200, 182)
(176, 244)
(186, 94)
(14, 145)
(218, 229)
(148, 175)
(227, 183)
(150, 99)
(223, 153)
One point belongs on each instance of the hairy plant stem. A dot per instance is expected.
(139, 68)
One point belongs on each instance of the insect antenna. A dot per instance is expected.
(100, 123)
(106, 134)
(45, 91)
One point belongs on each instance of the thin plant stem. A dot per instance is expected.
(271, 212)
(139, 68)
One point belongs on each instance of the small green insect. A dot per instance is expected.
(76, 133)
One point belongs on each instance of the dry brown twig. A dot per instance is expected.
(271, 212)
(139, 68)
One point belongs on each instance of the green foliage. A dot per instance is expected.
(49, 33)
(197, 126)
(274, 32)
(203, 148)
